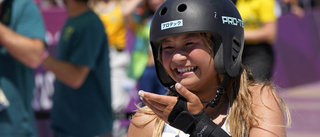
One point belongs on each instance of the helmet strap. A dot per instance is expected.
(214, 102)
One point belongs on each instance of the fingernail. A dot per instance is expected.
(178, 85)
(141, 94)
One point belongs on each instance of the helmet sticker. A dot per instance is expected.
(171, 24)
(232, 21)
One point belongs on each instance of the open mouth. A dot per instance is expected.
(186, 69)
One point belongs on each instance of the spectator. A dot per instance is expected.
(260, 25)
(82, 97)
(294, 7)
(142, 65)
(114, 14)
(22, 36)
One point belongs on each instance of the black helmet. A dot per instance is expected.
(217, 17)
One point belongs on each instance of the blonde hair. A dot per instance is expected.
(241, 117)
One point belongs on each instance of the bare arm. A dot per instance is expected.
(68, 73)
(26, 50)
(272, 122)
(267, 33)
(292, 2)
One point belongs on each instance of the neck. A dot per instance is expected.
(76, 8)
(219, 113)
(209, 91)
(217, 94)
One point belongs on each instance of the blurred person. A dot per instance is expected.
(260, 25)
(211, 93)
(82, 96)
(142, 65)
(114, 14)
(294, 7)
(22, 41)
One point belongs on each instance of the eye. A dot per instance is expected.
(166, 47)
(189, 43)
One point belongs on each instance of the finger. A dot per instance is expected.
(163, 103)
(150, 103)
(186, 93)
(161, 99)
(158, 112)
(151, 106)
(156, 105)
(194, 104)
(165, 109)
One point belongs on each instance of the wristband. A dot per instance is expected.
(180, 117)
(196, 125)
(44, 55)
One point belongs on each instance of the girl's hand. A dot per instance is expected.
(162, 105)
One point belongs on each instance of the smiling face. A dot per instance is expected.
(188, 60)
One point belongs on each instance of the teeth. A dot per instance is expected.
(181, 70)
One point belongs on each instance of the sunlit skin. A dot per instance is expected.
(187, 60)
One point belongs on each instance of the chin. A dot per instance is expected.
(188, 84)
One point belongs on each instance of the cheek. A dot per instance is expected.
(166, 62)
(201, 57)
(205, 63)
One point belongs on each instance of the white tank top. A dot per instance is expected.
(169, 131)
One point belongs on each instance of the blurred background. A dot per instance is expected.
(296, 72)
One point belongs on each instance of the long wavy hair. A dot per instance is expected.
(241, 117)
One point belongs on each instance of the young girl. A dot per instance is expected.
(197, 48)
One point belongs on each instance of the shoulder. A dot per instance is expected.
(24, 6)
(90, 17)
(23, 3)
(269, 108)
(88, 21)
(141, 125)
(26, 19)
(94, 21)
(265, 96)
(263, 93)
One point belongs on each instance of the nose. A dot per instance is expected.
(179, 56)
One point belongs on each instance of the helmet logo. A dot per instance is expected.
(215, 15)
(171, 24)
(232, 21)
